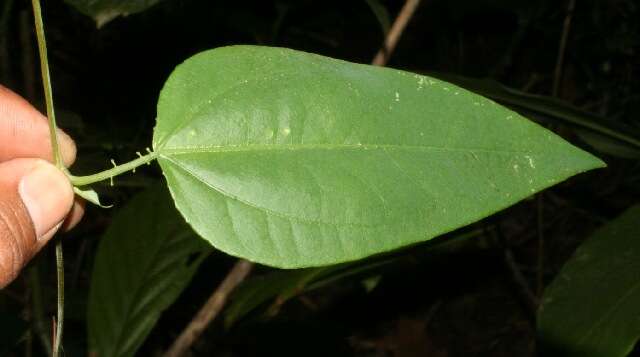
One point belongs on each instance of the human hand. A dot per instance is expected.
(36, 199)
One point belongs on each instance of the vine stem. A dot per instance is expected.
(115, 171)
(46, 82)
(60, 320)
(57, 158)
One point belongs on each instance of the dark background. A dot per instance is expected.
(462, 302)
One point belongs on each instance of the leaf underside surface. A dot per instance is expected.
(592, 308)
(144, 261)
(292, 159)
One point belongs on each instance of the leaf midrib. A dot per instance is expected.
(301, 147)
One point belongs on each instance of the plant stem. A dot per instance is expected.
(57, 158)
(210, 309)
(60, 320)
(394, 35)
(557, 76)
(115, 171)
(46, 82)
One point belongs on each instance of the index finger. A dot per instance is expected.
(24, 132)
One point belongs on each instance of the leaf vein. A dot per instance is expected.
(270, 211)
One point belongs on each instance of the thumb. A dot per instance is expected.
(35, 198)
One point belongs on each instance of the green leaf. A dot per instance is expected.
(103, 11)
(592, 308)
(283, 285)
(602, 133)
(144, 261)
(280, 284)
(91, 196)
(294, 160)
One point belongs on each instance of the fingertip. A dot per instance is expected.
(74, 217)
(68, 148)
(24, 131)
(32, 207)
(48, 197)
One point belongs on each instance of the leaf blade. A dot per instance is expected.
(604, 268)
(308, 161)
(104, 11)
(141, 267)
(91, 196)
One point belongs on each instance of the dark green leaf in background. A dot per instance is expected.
(144, 261)
(294, 160)
(103, 11)
(281, 284)
(592, 308)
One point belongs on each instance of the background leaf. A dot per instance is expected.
(103, 11)
(592, 308)
(144, 261)
(293, 160)
(382, 15)
(280, 286)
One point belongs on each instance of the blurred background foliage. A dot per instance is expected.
(475, 295)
